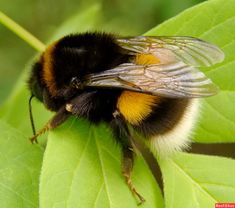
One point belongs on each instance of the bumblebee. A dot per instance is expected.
(146, 84)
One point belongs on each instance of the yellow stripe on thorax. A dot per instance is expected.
(48, 74)
(135, 106)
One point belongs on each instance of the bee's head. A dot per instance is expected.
(41, 88)
(56, 73)
(64, 66)
(35, 84)
(69, 60)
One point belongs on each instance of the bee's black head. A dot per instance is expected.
(83, 54)
(63, 67)
(34, 83)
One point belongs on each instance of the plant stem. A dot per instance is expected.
(21, 32)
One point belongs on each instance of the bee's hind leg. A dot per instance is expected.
(123, 137)
(127, 166)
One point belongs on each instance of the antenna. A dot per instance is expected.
(31, 115)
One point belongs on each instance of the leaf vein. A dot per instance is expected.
(216, 26)
(218, 184)
(221, 114)
(9, 189)
(77, 166)
(221, 66)
(98, 194)
(103, 170)
(187, 175)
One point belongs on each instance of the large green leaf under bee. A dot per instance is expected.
(83, 169)
(81, 166)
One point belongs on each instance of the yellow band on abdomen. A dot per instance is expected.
(135, 106)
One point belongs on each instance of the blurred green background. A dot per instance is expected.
(42, 17)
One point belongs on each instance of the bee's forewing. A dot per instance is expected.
(192, 51)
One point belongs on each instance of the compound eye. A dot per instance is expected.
(75, 82)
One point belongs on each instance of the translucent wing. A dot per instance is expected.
(170, 80)
(192, 51)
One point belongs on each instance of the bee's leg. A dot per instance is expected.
(55, 121)
(127, 166)
(123, 136)
(78, 106)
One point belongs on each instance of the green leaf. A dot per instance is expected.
(198, 181)
(82, 168)
(213, 21)
(20, 163)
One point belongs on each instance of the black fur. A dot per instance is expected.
(34, 83)
(95, 105)
(164, 117)
(79, 55)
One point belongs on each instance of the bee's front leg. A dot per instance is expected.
(78, 106)
(55, 121)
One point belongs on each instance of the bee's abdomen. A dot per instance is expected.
(136, 107)
(164, 117)
(170, 122)
(170, 125)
